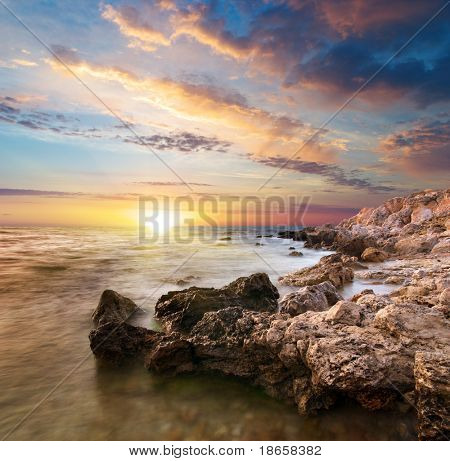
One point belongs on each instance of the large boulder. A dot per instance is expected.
(332, 268)
(181, 310)
(432, 375)
(113, 307)
(310, 298)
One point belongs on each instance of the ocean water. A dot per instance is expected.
(50, 282)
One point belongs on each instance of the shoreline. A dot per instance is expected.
(313, 347)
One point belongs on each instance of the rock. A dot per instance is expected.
(444, 297)
(113, 307)
(291, 248)
(374, 255)
(226, 238)
(259, 244)
(295, 253)
(332, 268)
(443, 246)
(345, 312)
(310, 298)
(116, 342)
(415, 244)
(395, 280)
(181, 310)
(432, 372)
(170, 356)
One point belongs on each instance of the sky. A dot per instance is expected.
(104, 102)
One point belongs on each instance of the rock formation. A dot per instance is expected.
(318, 348)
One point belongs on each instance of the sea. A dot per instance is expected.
(52, 387)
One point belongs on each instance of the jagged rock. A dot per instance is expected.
(118, 341)
(432, 375)
(181, 310)
(415, 244)
(444, 297)
(170, 356)
(332, 268)
(113, 307)
(374, 255)
(295, 253)
(310, 298)
(345, 312)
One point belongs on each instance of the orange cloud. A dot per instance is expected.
(142, 34)
(190, 23)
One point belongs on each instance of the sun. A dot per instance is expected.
(164, 220)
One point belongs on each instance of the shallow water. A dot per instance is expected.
(51, 280)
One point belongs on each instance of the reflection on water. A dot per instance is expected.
(50, 281)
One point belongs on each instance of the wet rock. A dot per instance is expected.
(374, 255)
(333, 268)
(225, 238)
(181, 310)
(295, 253)
(170, 356)
(432, 372)
(113, 307)
(117, 342)
(310, 298)
(291, 248)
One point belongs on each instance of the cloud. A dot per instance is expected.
(171, 183)
(185, 141)
(24, 63)
(169, 5)
(36, 193)
(332, 173)
(143, 35)
(422, 150)
(355, 17)
(333, 46)
(207, 103)
(65, 194)
(182, 142)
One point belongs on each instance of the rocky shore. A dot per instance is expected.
(312, 347)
